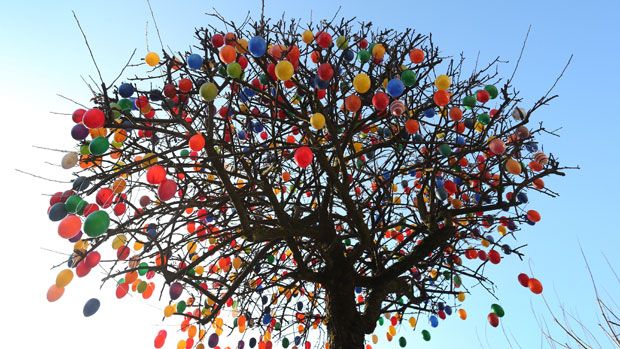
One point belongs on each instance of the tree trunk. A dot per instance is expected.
(344, 323)
(344, 327)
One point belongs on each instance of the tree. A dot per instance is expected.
(302, 180)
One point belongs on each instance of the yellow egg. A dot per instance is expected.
(284, 70)
(361, 83)
(378, 51)
(242, 46)
(357, 147)
(442, 82)
(152, 59)
(64, 278)
(317, 120)
(502, 230)
(307, 36)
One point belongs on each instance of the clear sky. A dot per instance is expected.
(42, 54)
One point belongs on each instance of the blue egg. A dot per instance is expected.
(81, 183)
(125, 90)
(151, 230)
(266, 319)
(448, 310)
(249, 92)
(434, 321)
(252, 342)
(429, 113)
(460, 140)
(257, 126)
(395, 88)
(477, 197)
(441, 193)
(522, 197)
(257, 46)
(320, 84)
(242, 135)
(195, 61)
(531, 147)
(57, 212)
(348, 55)
(91, 307)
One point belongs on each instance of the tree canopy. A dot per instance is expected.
(301, 183)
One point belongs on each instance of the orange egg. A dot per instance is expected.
(228, 54)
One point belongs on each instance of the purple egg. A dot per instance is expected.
(76, 238)
(175, 290)
(213, 340)
(79, 132)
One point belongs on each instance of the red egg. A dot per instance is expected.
(380, 101)
(217, 40)
(303, 156)
(69, 226)
(533, 216)
(105, 197)
(160, 339)
(92, 259)
(497, 146)
(483, 96)
(325, 72)
(94, 118)
(456, 114)
(523, 279)
(170, 91)
(122, 290)
(167, 189)
(197, 142)
(493, 319)
(441, 98)
(82, 269)
(185, 85)
(535, 286)
(78, 115)
(323, 39)
(156, 174)
(412, 126)
(90, 208)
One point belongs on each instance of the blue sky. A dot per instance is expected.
(43, 54)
